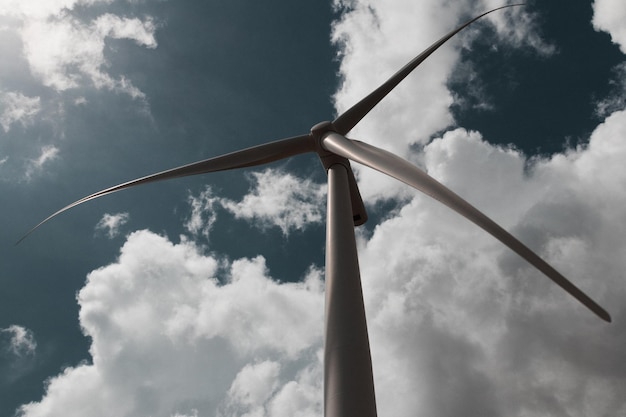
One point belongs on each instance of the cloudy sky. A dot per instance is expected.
(203, 296)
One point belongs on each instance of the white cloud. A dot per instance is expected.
(394, 32)
(168, 338)
(48, 153)
(66, 53)
(21, 340)
(203, 214)
(448, 303)
(18, 353)
(15, 107)
(251, 389)
(53, 46)
(516, 26)
(368, 30)
(256, 392)
(110, 224)
(142, 32)
(280, 199)
(609, 16)
(276, 199)
(41, 9)
(616, 100)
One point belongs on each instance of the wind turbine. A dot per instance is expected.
(348, 381)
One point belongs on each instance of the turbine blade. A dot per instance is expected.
(347, 120)
(256, 155)
(398, 168)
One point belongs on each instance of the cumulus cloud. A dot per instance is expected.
(15, 107)
(608, 16)
(65, 51)
(56, 47)
(41, 9)
(280, 199)
(276, 199)
(176, 332)
(448, 304)
(110, 224)
(395, 32)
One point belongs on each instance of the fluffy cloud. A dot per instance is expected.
(203, 214)
(275, 199)
(50, 47)
(65, 52)
(396, 31)
(462, 321)
(280, 199)
(608, 16)
(41, 9)
(175, 332)
(516, 26)
(21, 340)
(110, 224)
(18, 349)
(616, 100)
(17, 108)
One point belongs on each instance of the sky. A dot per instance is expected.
(204, 296)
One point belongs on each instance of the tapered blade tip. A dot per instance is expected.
(604, 315)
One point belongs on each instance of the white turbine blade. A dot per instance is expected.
(348, 119)
(253, 156)
(408, 173)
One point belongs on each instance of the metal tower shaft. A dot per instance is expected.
(348, 379)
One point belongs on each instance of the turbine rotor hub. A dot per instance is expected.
(322, 127)
(318, 132)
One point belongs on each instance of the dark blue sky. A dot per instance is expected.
(221, 77)
(550, 100)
